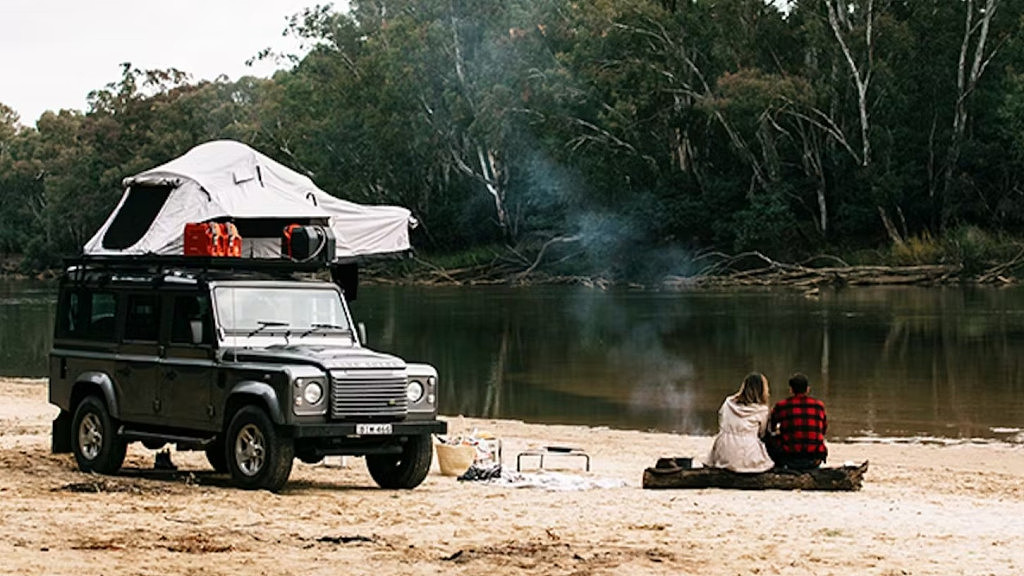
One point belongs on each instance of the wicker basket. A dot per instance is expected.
(454, 460)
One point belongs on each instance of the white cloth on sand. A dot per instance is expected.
(554, 481)
(738, 446)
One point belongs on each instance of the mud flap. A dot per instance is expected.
(60, 440)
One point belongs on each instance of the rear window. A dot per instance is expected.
(142, 319)
(88, 316)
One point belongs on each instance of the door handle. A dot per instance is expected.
(170, 375)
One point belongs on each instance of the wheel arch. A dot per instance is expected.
(253, 393)
(95, 383)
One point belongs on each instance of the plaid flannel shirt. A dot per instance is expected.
(801, 423)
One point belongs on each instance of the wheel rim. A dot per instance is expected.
(250, 450)
(90, 436)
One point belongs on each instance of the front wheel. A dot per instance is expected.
(406, 470)
(257, 456)
(94, 440)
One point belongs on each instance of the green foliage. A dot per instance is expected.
(767, 225)
(977, 250)
(918, 250)
(973, 248)
(641, 129)
(482, 255)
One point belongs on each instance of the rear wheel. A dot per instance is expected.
(257, 456)
(94, 439)
(406, 470)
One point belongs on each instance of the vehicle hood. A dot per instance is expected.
(330, 357)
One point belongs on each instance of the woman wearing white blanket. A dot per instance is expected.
(742, 422)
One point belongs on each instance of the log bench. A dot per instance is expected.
(667, 474)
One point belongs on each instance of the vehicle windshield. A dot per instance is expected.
(266, 310)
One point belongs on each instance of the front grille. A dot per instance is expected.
(372, 398)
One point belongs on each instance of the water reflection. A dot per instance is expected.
(26, 327)
(887, 362)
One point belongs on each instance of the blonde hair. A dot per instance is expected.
(754, 390)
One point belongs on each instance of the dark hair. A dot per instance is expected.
(798, 383)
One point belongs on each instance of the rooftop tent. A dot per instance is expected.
(223, 180)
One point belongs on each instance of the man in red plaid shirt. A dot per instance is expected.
(798, 426)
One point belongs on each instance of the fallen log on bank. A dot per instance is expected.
(711, 270)
(666, 474)
(756, 269)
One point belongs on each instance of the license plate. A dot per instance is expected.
(373, 429)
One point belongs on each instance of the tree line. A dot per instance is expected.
(614, 137)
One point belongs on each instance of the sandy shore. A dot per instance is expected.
(924, 509)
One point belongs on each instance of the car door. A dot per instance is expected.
(138, 357)
(187, 371)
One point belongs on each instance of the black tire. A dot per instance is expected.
(257, 456)
(94, 438)
(217, 456)
(309, 457)
(402, 471)
(154, 444)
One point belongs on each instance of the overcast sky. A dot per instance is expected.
(54, 52)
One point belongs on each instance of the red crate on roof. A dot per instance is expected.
(231, 244)
(212, 239)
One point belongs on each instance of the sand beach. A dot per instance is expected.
(926, 508)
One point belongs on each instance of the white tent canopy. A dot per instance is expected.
(228, 180)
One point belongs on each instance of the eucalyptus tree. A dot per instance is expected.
(419, 103)
(18, 181)
(665, 105)
(67, 171)
(989, 41)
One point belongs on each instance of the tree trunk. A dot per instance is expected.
(494, 178)
(667, 475)
(837, 19)
(966, 83)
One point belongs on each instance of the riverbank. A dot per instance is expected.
(998, 264)
(924, 509)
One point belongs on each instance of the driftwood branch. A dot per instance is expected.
(544, 249)
(1000, 272)
(711, 270)
(756, 269)
(437, 269)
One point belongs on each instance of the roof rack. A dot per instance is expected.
(86, 268)
(151, 262)
(195, 266)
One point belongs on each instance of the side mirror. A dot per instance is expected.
(196, 325)
(362, 333)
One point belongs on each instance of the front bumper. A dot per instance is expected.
(348, 430)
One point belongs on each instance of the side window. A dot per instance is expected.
(188, 308)
(88, 315)
(69, 322)
(102, 317)
(141, 321)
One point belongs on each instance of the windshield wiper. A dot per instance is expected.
(319, 326)
(266, 324)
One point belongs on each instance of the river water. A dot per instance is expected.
(940, 363)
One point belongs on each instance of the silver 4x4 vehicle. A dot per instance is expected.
(255, 367)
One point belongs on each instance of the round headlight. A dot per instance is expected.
(414, 391)
(313, 392)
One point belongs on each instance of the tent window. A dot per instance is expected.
(136, 214)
